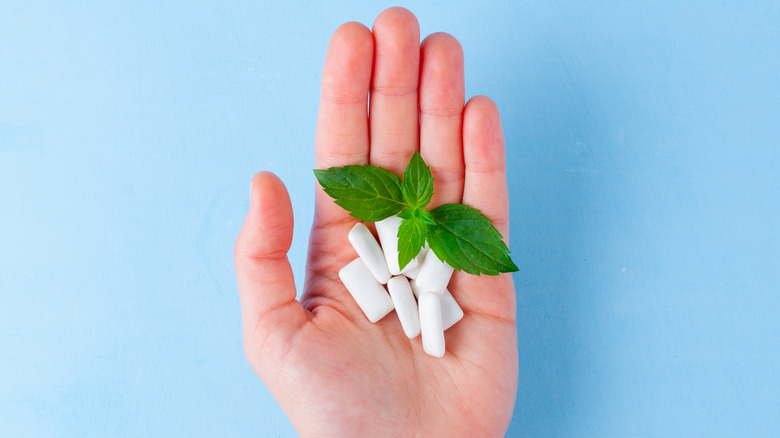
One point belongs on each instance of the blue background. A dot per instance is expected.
(643, 153)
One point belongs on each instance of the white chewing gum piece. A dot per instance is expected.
(387, 230)
(369, 294)
(369, 251)
(416, 289)
(431, 324)
(412, 273)
(434, 274)
(450, 310)
(405, 305)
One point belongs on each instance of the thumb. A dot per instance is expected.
(269, 311)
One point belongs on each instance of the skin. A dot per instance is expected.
(333, 372)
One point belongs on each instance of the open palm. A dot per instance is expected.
(333, 372)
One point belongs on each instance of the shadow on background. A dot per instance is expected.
(555, 132)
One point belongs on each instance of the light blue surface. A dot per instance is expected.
(643, 152)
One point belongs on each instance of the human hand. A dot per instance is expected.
(333, 372)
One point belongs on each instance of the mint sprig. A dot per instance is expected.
(458, 234)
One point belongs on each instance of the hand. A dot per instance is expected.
(333, 372)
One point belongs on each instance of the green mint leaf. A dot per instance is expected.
(368, 192)
(411, 238)
(468, 241)
(418, 182)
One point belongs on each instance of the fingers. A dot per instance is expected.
(483, 150)
(485, 189)
(265, 280)
(393, 113)
(342, 122)
(441, 109)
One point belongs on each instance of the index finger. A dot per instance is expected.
(485, 189)
(483, 150)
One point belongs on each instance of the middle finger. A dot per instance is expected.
(393, 109)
